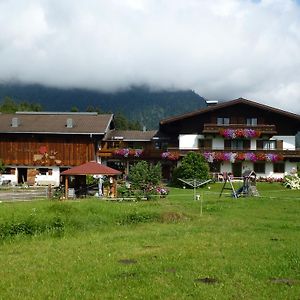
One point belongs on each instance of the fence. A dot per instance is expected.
(16, 193)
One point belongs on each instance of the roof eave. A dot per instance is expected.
(50, 132)
(227, 104)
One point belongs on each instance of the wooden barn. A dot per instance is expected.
(36, 147)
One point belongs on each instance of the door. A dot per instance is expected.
(22, 175)
(237, 169)
(31, 176)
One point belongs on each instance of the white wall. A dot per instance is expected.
(289, 142)
(246, 165)
(189, 141)
(53, 179)
(226, 167)
(12, 177)
(288, 168)
(49, 179)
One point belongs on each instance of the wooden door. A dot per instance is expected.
(31, 176)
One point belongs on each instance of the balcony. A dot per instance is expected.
(146, 154)
(263, 129)
(293, 154)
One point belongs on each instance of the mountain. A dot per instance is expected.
(138, 103)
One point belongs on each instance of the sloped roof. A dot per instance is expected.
(91, 168)
(42, 122)
(130, 135)
(228, 104)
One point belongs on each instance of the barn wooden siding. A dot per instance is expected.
(46, 150)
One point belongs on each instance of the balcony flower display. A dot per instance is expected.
(170, 155)
(209, 156)
(240, 156)
(249, 156)
(262, 156)
(273, 157)
(239, 133)
(125, 152)
(138, 152)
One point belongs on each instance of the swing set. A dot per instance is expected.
(248, 188)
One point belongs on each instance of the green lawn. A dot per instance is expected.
(247, 248)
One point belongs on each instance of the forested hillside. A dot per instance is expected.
(138, 104)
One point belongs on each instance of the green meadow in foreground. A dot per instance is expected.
(247, 248)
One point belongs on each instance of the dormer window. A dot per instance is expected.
(15, 122)
(251, 121)
(223, 121)
(70, 123)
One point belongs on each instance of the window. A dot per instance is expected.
(251, 121)
(237, 144)
(157, 145)
(116, 144)
(9, 171)
(279, 167)
(269, 145)
(223, 121)
(259, 167)
(215, 167)
(43, 171)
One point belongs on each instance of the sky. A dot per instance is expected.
(221, 49)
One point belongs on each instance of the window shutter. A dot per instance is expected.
(247, 144)
(227, 144)
(208, 143)
(279, 144)
(259, 144)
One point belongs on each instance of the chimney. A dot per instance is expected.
(70, 123)
(15, 122)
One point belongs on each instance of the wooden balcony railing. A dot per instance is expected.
(284, 153)
(264, 129)
(147, 153)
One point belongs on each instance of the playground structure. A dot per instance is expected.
(247, 189)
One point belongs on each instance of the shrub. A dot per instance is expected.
(193, 166)
(143, 174)
(145, 177)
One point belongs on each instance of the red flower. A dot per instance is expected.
(261, 156)
(240, 156)
(43, 150)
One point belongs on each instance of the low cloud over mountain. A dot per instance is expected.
(222, 49)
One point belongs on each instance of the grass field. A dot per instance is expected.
(247, 248)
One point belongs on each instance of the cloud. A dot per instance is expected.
(222, 49)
